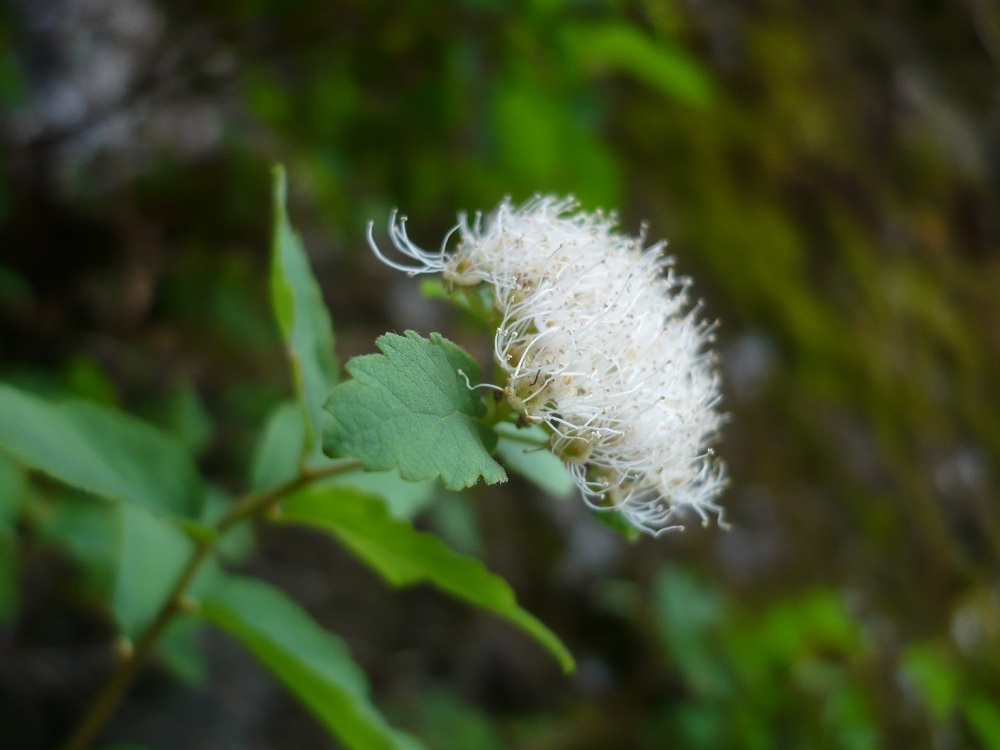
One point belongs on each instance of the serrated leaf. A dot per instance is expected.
(313, 663)
(302, 317)
(101, 451)
(523, 451)
(404, 556)
(152, 553)
(409, 408)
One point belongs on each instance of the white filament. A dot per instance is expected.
(599, 342)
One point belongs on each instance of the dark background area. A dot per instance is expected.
(829, 174)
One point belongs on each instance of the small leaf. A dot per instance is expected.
(236, 543)
(689, 616)
(10, 575)
(302, 317)
(278, 455)
(935, 676)
(983, 717)
(101, 451)
(523, 452)
(184, 416)
(625, 48)
(454, 521)
(314, 664)
(405, 556)
(87, 529)
(152, 554)
(476, 301)
(402, 499)
(13, 491)
(279, 451)
(181, 651)
(409, 408)
(13, 494)
(451, 724)
(85, 379)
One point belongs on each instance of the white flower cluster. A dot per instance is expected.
(599, 343)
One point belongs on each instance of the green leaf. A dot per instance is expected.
(405, 556)
(623, 47)
(101, 451)
(524, 452)
(936, 677)
(983, 716)
(543, 144)
(278, 455)
(13, 494)
(184, 416)
(689, 615)
(236, 543)
(314, 664)
(302, 317)
(476, 301)
(409, 408)
(85, 379)
(87, 529)
(453, 520)
(152, 554)
(13, 491)
(279, 449)
(181, 651)
(450, 724)
(10, 575)
(403, 499)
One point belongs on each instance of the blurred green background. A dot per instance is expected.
(829, 174)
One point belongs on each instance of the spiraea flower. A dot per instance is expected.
(598, 341)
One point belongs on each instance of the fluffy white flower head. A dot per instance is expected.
(598, 342)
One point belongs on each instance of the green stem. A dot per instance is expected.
(245, 507)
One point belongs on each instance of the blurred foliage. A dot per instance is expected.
(829, 175)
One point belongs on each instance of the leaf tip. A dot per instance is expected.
(279, 194)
